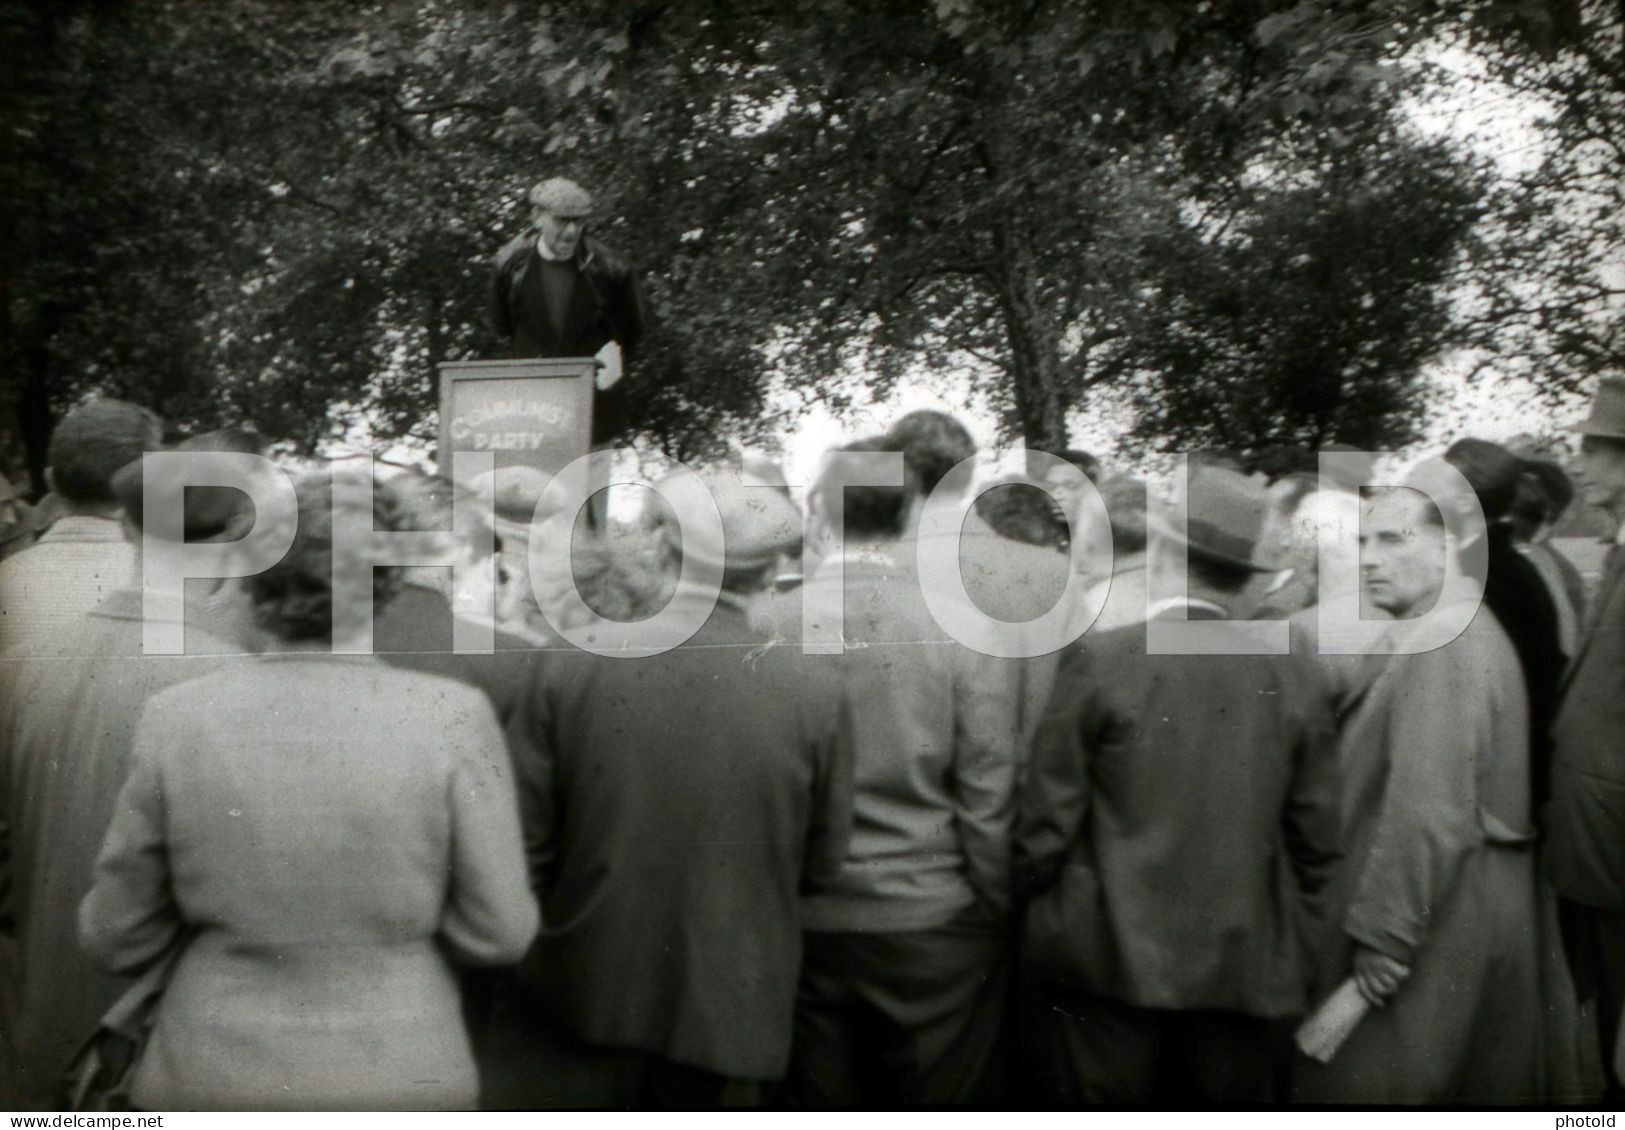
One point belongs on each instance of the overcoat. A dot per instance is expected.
(329, 834)
(1441, 876)
(673, 806)
(1585, 818)
(1178, 828)
(67, 727)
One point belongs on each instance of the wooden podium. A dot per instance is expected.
(530, 412)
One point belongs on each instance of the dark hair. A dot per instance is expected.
(93, 442)
(1551, 484)
(1491, 470)
(1221, 457)
(933, 443)
(1024, 512)
(1217, 575)
(1125, 508)
(1082, 460)
(866, 511)
(294, 598)
(243, 441)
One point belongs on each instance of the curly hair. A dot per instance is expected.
(293, 599)
(93, 442)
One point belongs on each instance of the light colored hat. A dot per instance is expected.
(1225, 519)
(511, 494)
(1607, 416)
(564, 198)
(758, 523)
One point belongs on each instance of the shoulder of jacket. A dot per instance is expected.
(603, 259)
(514, 248)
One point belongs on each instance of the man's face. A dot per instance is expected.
(1600, 473)
(1402, 553)
(560, 233)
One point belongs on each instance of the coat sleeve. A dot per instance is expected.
(531, 746)
(1429, 817)
(1313, 819)
(130, 917)
(829, 832)
(1055, 787)
(490, 915)
(500, 310)
(986, 730)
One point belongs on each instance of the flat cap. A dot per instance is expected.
(758, 523)
(562, 197)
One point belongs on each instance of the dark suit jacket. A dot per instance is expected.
(673, 806)
(1585, 819)
(414, 631)
(1178, 828)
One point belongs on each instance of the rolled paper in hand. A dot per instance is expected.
(1334, 1021)
(609, 365)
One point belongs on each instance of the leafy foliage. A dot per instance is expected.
(1214, 213)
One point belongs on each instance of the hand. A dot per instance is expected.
(1377, 975)
(609, 366)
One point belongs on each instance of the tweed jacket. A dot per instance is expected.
(1179, 828)
(674, 806)
(49, 587)
(332, 833)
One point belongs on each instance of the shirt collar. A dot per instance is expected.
(546, 253)
(84, 527)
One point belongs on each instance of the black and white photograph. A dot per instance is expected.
(633, 555)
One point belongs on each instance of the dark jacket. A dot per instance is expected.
(1178, 828)
(1585, 818)
(607, 305)
(673, 806)
(414, 630)
(1523, 605)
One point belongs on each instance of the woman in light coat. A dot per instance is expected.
(326, 837)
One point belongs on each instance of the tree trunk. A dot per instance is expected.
(1034, 341)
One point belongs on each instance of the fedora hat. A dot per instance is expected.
(1224, 520)
(1607, 416)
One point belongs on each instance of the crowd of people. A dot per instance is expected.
(824, 851)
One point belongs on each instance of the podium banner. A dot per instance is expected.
(533, 412)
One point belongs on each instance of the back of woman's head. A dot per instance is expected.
(294, 599)
(1491, 470)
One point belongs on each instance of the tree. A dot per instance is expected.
(1546, 292)
(251, 212)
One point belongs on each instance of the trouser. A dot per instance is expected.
(527, 1063)
(1088, 1050)
(1595, 941)
(912, 1018)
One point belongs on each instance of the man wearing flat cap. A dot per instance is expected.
(67, 732)
(673, 805)
(558, 292)
(1176, 838)
(1585, 818)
